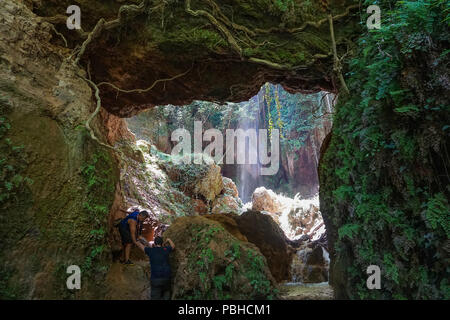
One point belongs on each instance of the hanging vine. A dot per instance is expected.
(278, 105)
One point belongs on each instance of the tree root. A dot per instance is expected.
(59, 34)
(122, 163)
(234, 45)
(216, 23)
(103, 25)
(146, 89)
(337, 67)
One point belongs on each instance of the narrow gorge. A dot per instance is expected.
(343, 133)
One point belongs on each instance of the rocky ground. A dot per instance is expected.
(319, 291)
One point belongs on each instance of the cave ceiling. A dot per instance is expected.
(173, 52)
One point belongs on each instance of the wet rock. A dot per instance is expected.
(310, 264)
(265, 200)
(306, 220)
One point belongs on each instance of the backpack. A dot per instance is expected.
(117, 222)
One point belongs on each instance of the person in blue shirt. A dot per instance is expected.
(129, 228)
(159, 267)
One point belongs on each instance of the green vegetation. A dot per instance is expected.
(384, 178)
(98, 175)
(14, 199)
(218, 284)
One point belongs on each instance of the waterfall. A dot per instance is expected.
(249, 173)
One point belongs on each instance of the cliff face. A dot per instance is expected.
(53, 174)
(384, 179)
(300, 167)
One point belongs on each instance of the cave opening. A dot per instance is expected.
(290, 196)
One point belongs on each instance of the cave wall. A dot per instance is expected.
(384, 179)
(57, 185)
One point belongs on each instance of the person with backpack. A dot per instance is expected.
(129, 229)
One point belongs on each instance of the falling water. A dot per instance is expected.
(249, 174)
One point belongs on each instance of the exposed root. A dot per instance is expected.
(233, 42)
(146, 89)
(92, 133)
(103, 25)
(93, 34)
(61, 19)
(337, 66)
(59, 34)
(274, 65)
(213, 20)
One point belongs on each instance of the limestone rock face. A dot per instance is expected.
(199, 206)
(226, 204)
(228, 201)
(306, 221)
(46, 105)
(211, 184)
(265, 200)
(230, 187)
(209, 262)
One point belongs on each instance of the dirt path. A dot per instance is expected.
(314, 291)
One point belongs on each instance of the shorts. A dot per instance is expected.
(160, 289)
(125, 234)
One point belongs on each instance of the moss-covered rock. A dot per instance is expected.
(210, 263)
(384, 171)
(55, 206)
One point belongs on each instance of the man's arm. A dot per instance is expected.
(171, 243)
(141, 246)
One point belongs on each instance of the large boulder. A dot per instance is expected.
(209, 262)
(226, 204)
(210, 184)
(267, 235)
(228, 201)
(265, 200)
(196, 180)
(230, 187)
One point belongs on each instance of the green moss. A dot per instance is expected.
(380, 186)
